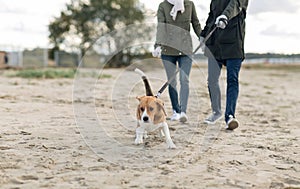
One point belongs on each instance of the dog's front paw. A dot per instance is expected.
(145, 135)
(170, 144)
(138, 140)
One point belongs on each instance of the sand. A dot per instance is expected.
(79, 133)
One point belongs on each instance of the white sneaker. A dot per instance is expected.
(175, 116)
(183, 117)
(213, 118)
(232, 123)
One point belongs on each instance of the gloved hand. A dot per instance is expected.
(157, 52)
(221, 21)
(202, 44)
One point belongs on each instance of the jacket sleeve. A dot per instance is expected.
(234, 7)
(161, 30)
(195, 21)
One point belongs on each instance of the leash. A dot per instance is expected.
(161, 90)
(205, 39)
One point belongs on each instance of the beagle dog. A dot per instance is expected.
(151, 115)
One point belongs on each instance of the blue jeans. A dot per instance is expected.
(185, 65)
(233, 67)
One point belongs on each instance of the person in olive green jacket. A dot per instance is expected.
(174, 45)
(225, 47)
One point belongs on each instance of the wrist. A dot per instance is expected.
(223, 16)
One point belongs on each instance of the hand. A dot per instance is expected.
(202, 44)
(221, 21)
(157, 52)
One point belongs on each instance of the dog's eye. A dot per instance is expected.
(151, 109)
(142, 109)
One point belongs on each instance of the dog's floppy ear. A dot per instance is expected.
(160, 114)
(160, 104)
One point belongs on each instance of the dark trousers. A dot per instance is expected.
(233, 67)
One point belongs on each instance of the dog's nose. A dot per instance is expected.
(145, 118)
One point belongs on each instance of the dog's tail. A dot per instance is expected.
(146, 82)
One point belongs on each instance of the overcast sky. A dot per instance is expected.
(272, 25)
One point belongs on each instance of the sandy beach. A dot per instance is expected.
(79, 133)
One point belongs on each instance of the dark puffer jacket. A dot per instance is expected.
(226, 43)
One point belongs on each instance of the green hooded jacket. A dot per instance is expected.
(174, 35)
(226, 43)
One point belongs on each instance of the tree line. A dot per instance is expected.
(83, 22)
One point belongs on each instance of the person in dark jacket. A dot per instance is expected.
(174, 45)
(225, 47)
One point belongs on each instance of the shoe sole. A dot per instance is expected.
(183, 119)
(174, 119)
(233, 125)
(211, 123)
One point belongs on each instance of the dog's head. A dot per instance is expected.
(150, 110)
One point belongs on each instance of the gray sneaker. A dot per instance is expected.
(213, 118)
(232, 123)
